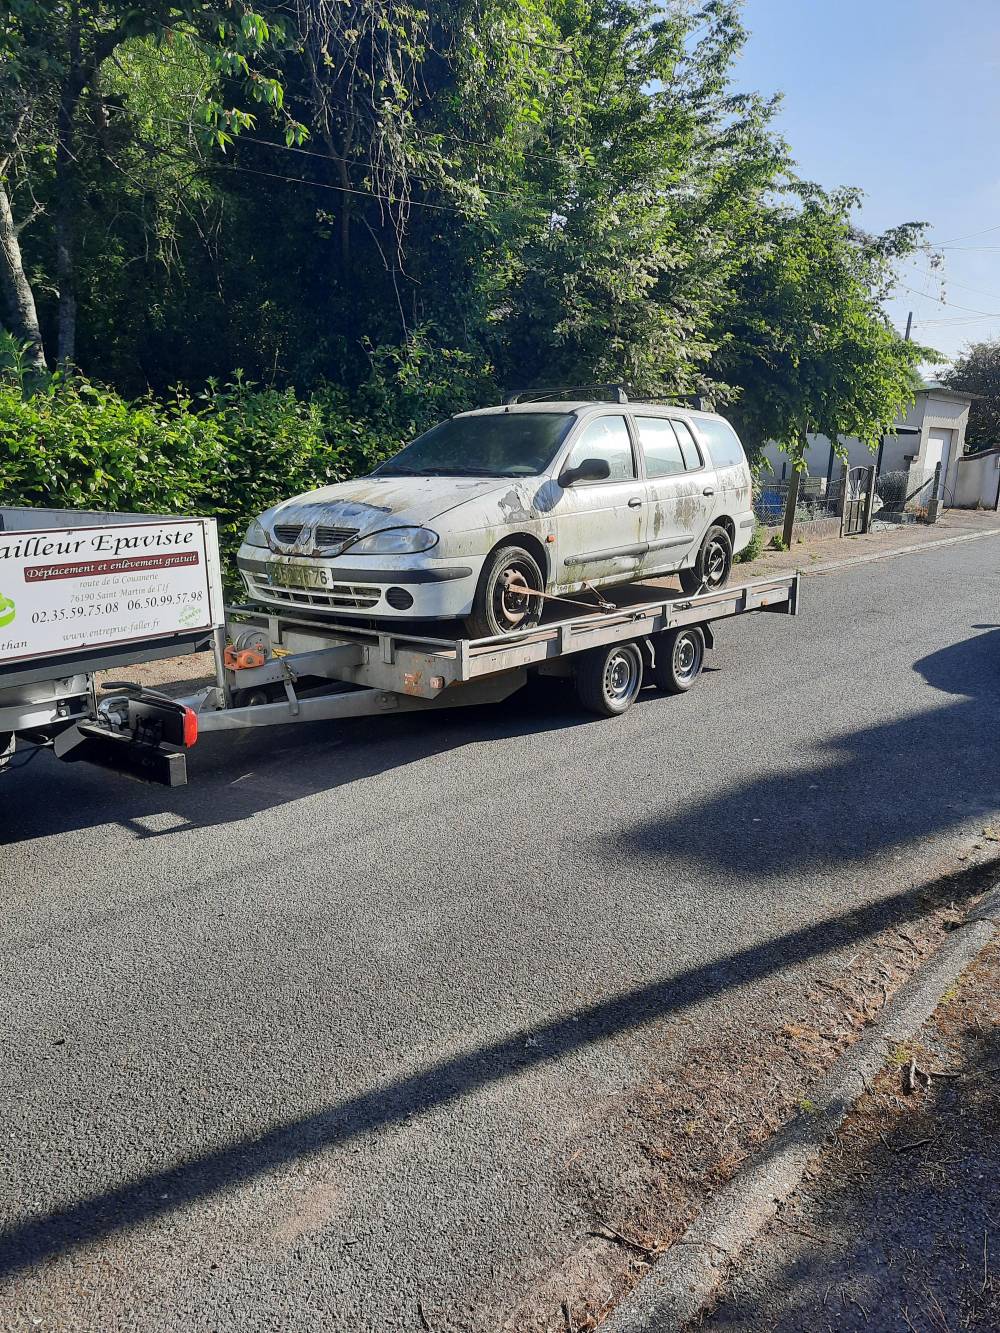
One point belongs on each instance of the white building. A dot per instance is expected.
(931, 432)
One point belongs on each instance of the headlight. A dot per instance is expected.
(395, 541)
(256, 536)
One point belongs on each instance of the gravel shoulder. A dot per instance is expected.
(898, 1229)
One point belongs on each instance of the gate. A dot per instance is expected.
(859, 491)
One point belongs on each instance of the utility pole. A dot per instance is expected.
(909, 326)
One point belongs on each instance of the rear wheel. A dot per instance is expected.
(609, 678)
(713, 564)
(680, 655)
(499, 608)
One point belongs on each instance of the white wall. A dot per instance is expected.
(931, 410)
(978, 476)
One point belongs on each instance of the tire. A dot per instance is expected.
(609, 678)
(679, 658)
(713, 563)
(495, 611)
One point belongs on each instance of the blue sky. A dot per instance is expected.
(900, 98)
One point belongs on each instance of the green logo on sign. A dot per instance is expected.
(7, 610)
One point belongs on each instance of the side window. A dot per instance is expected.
(660, 447)
(689, 446)
(607, 437)
(723, 442)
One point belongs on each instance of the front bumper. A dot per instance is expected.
(415, 588)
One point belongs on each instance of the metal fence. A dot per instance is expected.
(905, 496)
(909, 496)
(817, 499)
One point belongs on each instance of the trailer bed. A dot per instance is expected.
(288, 667)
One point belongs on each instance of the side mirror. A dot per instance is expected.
(590, 469)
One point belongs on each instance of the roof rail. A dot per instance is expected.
(614, 393)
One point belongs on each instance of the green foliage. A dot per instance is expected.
(807, 341)
(515, 193)
(977, 371)
(753, 547)
(229, 452)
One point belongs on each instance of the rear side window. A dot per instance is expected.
(660, 447)
(689, 446)
(723, 442)
(668, 446)
(607, 438)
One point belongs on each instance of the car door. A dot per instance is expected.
(680, 486)
(600, 525)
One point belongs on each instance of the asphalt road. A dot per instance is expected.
(314, 1042)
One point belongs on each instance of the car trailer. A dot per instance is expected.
(82, 593)
(288, 667)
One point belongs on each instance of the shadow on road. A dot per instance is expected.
(438, 1085)
(236, 775)
(860, 793)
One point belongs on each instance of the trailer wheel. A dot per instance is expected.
(609, 678)
(679, 658)
(6, 748)
(713, 563)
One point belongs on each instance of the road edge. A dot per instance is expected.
(868, 557)
(685, 1279)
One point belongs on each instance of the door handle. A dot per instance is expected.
(709, 490)
(634, 503)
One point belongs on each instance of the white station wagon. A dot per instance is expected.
(491, 505)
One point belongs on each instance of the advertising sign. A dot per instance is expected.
(68, 590)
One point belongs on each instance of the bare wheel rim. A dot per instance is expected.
(687, 657)
(510, 607)
(621, 676)
(716, 560)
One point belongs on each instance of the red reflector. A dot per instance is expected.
(190, 727)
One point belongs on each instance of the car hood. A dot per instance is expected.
(371, 503)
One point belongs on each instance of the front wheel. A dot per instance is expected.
(609, 678)
(499, 608)
(713, 564)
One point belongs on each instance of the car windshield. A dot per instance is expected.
(502, 444)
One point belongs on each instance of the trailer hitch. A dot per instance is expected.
(137, 731)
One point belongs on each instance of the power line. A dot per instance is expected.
(243, 136)
(969, 235)
(953, 282)
(953, 305)
(343, 189)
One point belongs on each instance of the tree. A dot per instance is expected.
(805, 341)
(650, 160)
(51, 58)
(977, 371)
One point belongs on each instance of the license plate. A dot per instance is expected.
(300, 576)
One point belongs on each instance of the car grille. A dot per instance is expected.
(338, 597)
(290, 534)
(326, 536)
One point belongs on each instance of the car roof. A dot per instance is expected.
(578, 407)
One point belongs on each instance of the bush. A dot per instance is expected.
(754, 546)
(227, 453)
